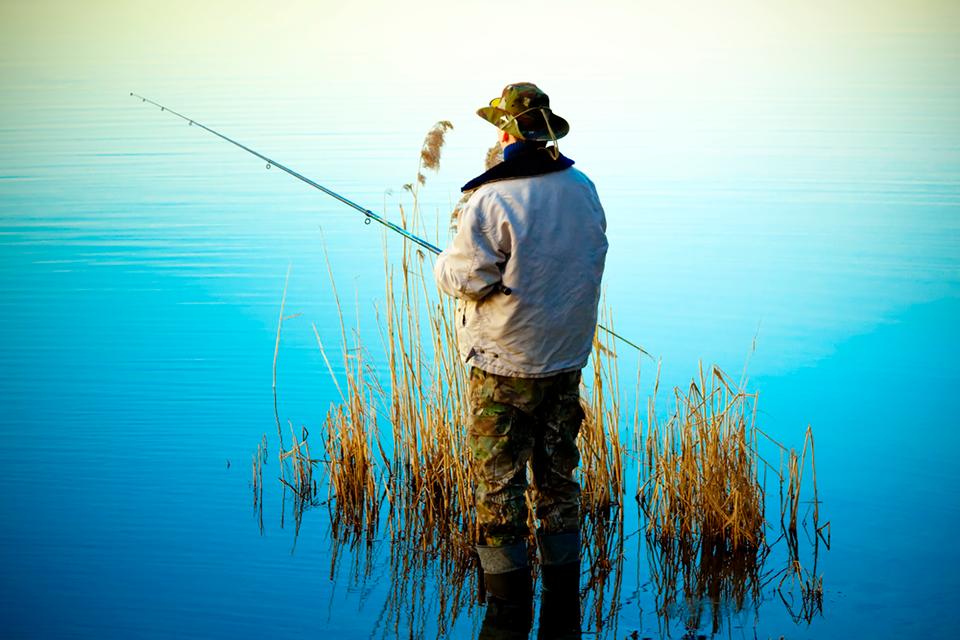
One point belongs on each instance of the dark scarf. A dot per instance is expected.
(522, 159)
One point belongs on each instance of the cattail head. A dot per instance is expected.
(433, 145)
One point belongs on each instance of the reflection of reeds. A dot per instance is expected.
(304, 486)
(410, 605)
(297, 475)
(795, 574)
(702, 576)
(259, 459)
(811, 584)
(604, 555)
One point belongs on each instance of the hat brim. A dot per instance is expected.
(533, 128)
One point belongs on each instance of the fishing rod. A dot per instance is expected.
(370, 215)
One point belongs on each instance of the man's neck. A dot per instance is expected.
(520, 147)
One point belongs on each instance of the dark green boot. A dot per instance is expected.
(514, 586)
(560, 582)
(509, 613)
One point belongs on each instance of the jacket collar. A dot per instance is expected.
(524, 162)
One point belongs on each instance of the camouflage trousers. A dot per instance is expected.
(514, 421)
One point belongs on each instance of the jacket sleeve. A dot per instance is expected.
(471, 266)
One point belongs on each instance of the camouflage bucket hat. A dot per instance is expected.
(523, 111)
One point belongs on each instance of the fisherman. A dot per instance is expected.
(526, 265)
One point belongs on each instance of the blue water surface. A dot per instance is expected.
(143, 263)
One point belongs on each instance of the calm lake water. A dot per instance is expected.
(142, 265)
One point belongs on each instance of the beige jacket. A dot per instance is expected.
(543, 240)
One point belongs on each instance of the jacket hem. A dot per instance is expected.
(501, 371)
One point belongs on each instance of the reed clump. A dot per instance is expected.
(350, 432)
(699, 489)
(702, 467)
(602, 453)
(430, 479)
(701, 494)
(351, 473)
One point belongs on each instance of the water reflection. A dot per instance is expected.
(425, 590)
(509, 620)
(694, 578)
(604, 556)
(795, 575)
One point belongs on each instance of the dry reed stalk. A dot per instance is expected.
(791, 478)
(276, 349)
(432, 480)
(428, 415)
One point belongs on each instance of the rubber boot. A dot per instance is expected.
(514, 586)
(559, 615)
(509, 584)
(560, 582)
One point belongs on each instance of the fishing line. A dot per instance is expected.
(369, 215)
